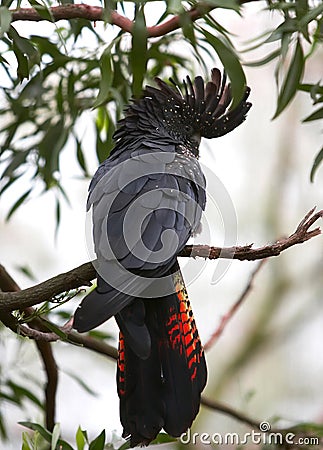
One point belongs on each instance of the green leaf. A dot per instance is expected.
(311, 15)
(21, 392)
(81, 438)
(44, 12)
(5, 20)
(98, 443)
(55, 436)
(314, 89)
(81, 383)
(317, 161)
(26, 442)
(54, 329)
(18, 203)
(161, 438)
(62, 445)
(308, 428)
(318, 114)
(80, 157)
(266, 60)
(231, 65)
(57, 217)
(98, 334)
(17, 160)
(25, 45)
(174, 7)
(292, 79)
(22, 69)
(26, 54)
(138, 54)
(104, 123)
(106, 77)
(49, 148)
(289, 26)
(26, 270)
(188, 28)
(227, 4)
(36, 427)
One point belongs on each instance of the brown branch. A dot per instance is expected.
(49, 363)
(96, 13)
(220, 407)
(234, 308)
(7, 284)
(40, 334)
(88, 342)
(82, 275)
(248, 253)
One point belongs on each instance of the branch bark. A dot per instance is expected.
(96, 13)
(7, 284)
(82, 275)
(234, 308)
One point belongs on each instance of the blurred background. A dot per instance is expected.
(268, 363)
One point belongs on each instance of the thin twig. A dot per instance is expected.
(96, 13)
(220, 407)
(82, 275)
(234, 308)
(249, 253)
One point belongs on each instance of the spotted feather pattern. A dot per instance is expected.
(181, 328)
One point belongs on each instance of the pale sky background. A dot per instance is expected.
(264, 166)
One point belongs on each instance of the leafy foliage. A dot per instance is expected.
(42, 436)
(49, 83)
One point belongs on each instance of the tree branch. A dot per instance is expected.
(220, 407)
(82, 340)
(82, 275)
(44, 348)
(107, 350)
(234, 308)
(96, 13)
(248, 253)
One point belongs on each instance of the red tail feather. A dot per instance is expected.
(162, 391)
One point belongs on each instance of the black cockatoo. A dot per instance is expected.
(147, 199)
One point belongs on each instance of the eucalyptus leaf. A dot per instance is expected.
(5, 20)
(62, 445)
(317, 161)
(42, 10)
(263, 61)
(231, 65)
(18, 203)
(227, 4)
(55, 436)
(138, 53)
(316, 115)
(313, 14)
(81, 438)
(292, 79)
(106, 78)
(98, 442)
